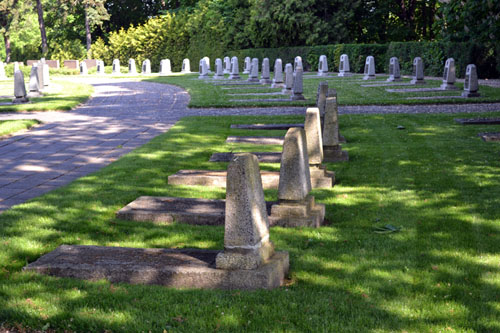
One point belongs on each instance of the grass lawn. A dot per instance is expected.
(8, 127)
(435, 179)
(204, 94)
(61, 94)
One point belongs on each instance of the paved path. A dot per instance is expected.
(121, 116)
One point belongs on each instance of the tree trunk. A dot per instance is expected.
(7, 47)
(87, 30)
(41, 23)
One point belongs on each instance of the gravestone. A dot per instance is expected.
(207, 60)
(91, 63)
(71, 64)
(298, 82)
(312, 126)
(186, 66)
(394, 70)
(295, 207)
(100, 67)
(235, 69)
(247, 66)
(19, 88)
(83, 68)
(471, 84)
(132, 70)
(322, 66)
(278, 74)
(116, 67)
(297, 63)
(34, 85)
(265, 77)
(254, 71)
(449, 75)
(39, 74)
(146, 67)
(46, 73)
(227, 65)
(418, 71)
(53, 63)
(332, 150)
(165, 67)
(219, 69)
(369, 73)
(344, 67)
(2, 71)
(288, 79)
(203, 69)
(16, 67)
(321, 97)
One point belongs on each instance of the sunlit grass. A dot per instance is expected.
(8, 127)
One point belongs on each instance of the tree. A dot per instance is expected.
(41, 23)
(9, 11)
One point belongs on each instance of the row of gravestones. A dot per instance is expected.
(39, 80)
(165, 67)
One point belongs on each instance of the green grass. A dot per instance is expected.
(204, 94)
(59, 95)
(436, 179)
(8, 127)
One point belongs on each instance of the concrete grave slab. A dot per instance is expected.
(258, 140)
(262, 100)
(263, 157)
(266, 126)
(492, 136)
(478, 121)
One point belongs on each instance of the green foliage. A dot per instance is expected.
(68, 49)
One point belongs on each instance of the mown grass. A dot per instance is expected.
(435, 179)
(204, 94)
(8, 127)
(59, 95)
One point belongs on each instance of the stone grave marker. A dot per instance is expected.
(116, 67)
(265, 77)
(227, 65)
(46, 73)
(146, 67)
(288, 79)
(296, 207)
(91, 63)
(449, 76)
(418, 71)
(207, 60)
(71, 64)
(471, 84)
(321, 97)
(254, 71)
(35, 89)
(278, 74)
(394, 70)
(2, 71)
(219, 69)
(344, 67)
(83, 68)
(186, 66)
(298, 82)
(16, 67)
(100, 67)
(323, 66)
(203, 69)
(19, 88)
(332, 150)
(132, 70)
(165, 67)
(490, 136)
(297, 62)
(369, 73)
(247, 65)
(235, 69)
(39, 74)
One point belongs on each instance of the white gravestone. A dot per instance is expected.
(34, 83)
(278, 74)
(418, 71)
(297, 89)
(288, 79)
(46, 74)
(344, 67)
(247, 65)
(471, 84)
(322, 66)
(83, 68)
(39, 73)
(235, 69)
(116, 66)
(186, 66)
(227, 65)
(203, 69)
(394, 70)
(207, 60)
(297, 62)
(219, 69)
(369, 68)
(100, 67)
(449, 75)
(254, 71)
(16, 67)
(19, 88)
(165, 67)
(265, 77)
(146, 67)
(132, 70)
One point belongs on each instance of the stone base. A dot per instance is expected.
(185, 268)
(217, 178)
(342, 139)
(238, 258)
(266, 81)
(494, 136)
(305, 213)
(297, 97)
(263, 157)
(333, 154)
(20, 100)
(369, 77)
(277, 85)
(203, 76)
(218, 77)
(322, 73)
(234, 77)
(448, 86)
(287, 91)
(468, 94)
(345, 74)
(322, 176)
(267, 127)
(393, 79)
(32, 94)
(246, 72)
(253, 79)
(417, 82)
(256, 140)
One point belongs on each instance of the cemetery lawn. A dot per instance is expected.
(61, 95)
(435, 179)
(204, 94)
(8, 127)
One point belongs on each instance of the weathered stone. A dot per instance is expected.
(235, 69)
(263, 157)
(2, 71)
(116, 66)
(312, 126)
(322, 66)
(257, 140)
(297, 63)
(46, 74)
(265, 77)
(132, 70)
(478, 121)
(203, 69)
(298, 82)
(207, 61)
(177, 268)
(186, 66)
(34, 84)
(418, 71)
(71, 64)
(449, 75)
(16, 67)
(254, 71)
(227, 65)
(394, 70)
(288, 79)
(165, 67)
(83, 68)
(267, 127)
(100, 67)
(19, 88)
(219, 69)
(471, 84)
(247, 66)
(332, 150)
(53, 63)
(344, 67)
(369, 73)
(146, 67)
(321, 97)
(278, 74)
(40, 75)
(246, 230)
(91, 63)
(492, 136)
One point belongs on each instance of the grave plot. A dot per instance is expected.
(490, 136)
